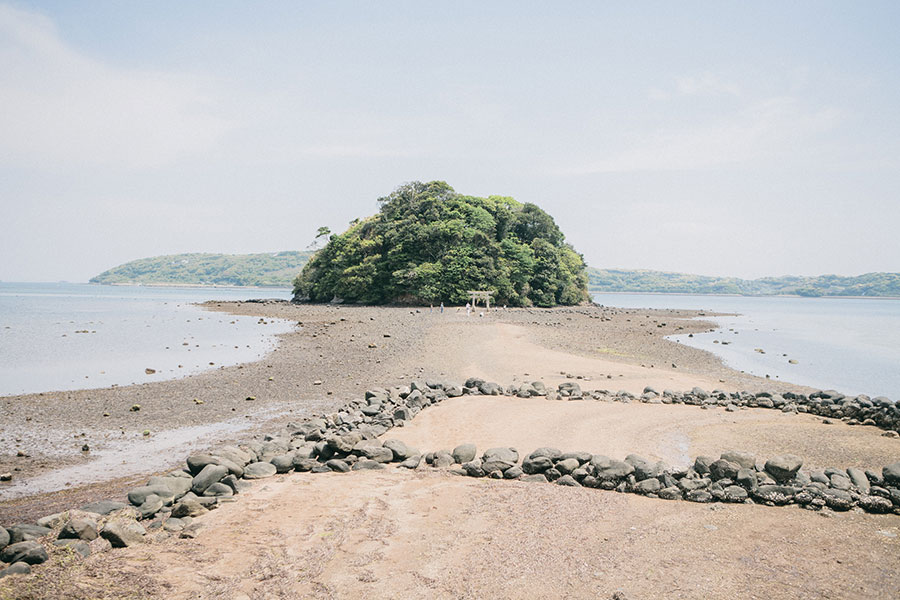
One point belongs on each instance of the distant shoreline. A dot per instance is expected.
(594, 291)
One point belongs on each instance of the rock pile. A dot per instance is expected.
(733, 477)
(348, 440)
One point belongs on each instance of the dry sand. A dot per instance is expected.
(427, 534)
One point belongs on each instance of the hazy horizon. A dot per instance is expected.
(713, 139)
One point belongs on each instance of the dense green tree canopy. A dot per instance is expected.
(429, 243)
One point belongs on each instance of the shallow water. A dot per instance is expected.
(80, 336)
(848, 344)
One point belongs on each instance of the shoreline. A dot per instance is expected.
(332, 345)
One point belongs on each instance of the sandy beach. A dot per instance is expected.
(428, 533)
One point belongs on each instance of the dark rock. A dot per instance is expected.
(891, 474)
(443, 459)
(723, 469)
(283, 463)
(218, 490)
(304, 465)
(859, 479)
(4, 538)
(103, 507)
(567, 465)
(19, 568)
(698, 496)
(734, 493)
(744, 459)
(188, 508)
(509, 455)
(209, 475)
(669, 493)
(412, 462)
(535, 478)
(648, 486)
(337, 465)
(746, 478)
(837, 499)
(607, 469)
(875, 504)
(643, 468)
(701, 464)
(259, 470)
(367, 465)
(29, 552)
(513, 472)
(567, 480)
(536, 464)
(776, 494)
(783, 468)
(26, 532)
(551, 453)
(464, 453)
(399, 449)
(122, 533)
(81, 529)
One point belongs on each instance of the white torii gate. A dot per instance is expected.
(481, 295)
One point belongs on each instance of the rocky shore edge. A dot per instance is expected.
(347, 440)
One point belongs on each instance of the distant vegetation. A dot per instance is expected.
(870, 284)
(429, 243)
(276, 269)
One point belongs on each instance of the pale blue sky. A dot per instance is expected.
(717, 138)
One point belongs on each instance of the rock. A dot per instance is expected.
(283, 463)
(188, 508)
(19, 568)
(536, 464)
(403, 414)
(259, 470)
(607, 469)
(838, 499)
(122, 533)
(734, 493)
(103, 507)
(567, 465)
(669, 493)
(551, 453)
(80, 547)
(535, 478)
(496, 466)
(52, 521)
(698, 496)
(218, 490)
(474, 468)
(701, 464)
(783, 468)
(891, 474)
(875, 504)
(152, 505)
(412, 462)
(338, 466)
(776, 494)
(746, 478)
(744, 459)
(304, 465)
(443, 459)
(647, 486)
(29, 552)
(568, 480)
(643, 468)
(514, 472)
(509, 455)
(367, 465)
(840, 482)
(723, 469)
(4, 538)
(859, 479)
(26, 532)
(81, 529)
(464, 453)
(399, 449)
(207, 476)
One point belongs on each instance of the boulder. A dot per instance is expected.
(218, 490)
(551, 453)
(670, 493)
(643, 468)
(567, 480)
(701, 464)
(283, 463)
(734, 493)
(26, 532)
(123, 532)
(875, 504)
(647, 486)
(514, 472)
(19, 568)
(474, 468)
(259, 470)
(891, 475)
(464, 453)
(607, 469)
(776, 494)
(567, 465)
(103, 507)
(399, 449)
(783, 468)
(29, 552)
(859, 479)
(509, 455)
(366, 465)
(744, 459)
(188, 508)
(723, 469)
(412, 462)
(838, 499)
(209, 475)
(535, 478)
(536, 464)
(4, 538)
(698, 496)
(338, 466)
(443, 459)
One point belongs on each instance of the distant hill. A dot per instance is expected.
(276, 269)
(617, 280)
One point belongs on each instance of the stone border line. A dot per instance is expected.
(348, 441)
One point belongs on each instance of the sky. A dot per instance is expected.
(716, 138)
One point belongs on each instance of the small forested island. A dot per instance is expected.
(661, 282)
(275, 269)
(429, 243)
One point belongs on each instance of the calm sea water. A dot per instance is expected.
(77, 336)
(851, 345)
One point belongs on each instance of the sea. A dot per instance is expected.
(67, 336)
(847, 344)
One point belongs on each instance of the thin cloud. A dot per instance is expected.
(58, 106)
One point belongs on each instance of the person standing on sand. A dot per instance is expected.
(468, 309)
(442, 308)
